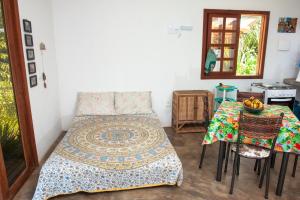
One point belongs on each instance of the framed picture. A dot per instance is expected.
(31, 68)
(27, 26)
(30, 54)
(33, 81)
(287, 25)
(28, 40)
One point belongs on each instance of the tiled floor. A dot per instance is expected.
(197, 184)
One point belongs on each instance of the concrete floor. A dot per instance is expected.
(197, 184)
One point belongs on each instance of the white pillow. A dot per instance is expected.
(95, 103)
(133, 102)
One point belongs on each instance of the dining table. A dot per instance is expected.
(223, 127)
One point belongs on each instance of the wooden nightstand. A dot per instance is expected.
(191, 110)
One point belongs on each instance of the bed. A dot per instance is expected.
(110, 152)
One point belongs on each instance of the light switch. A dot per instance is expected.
(173, 29)
(284, 45)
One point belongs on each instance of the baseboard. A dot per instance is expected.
(52, 147)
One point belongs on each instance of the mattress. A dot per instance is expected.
(109, 153)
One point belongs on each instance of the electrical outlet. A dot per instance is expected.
(169, 104)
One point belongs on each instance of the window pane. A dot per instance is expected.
(231, 23)
(228, 52)
(217, 67)
(217, 51)
(217, 23)
(10, 133)
(228, 65)
(249, 43)
(230, 38)
(216, 38)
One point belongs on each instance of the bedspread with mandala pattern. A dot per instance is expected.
(107, 153)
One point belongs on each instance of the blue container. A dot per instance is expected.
(297, 109)
(224, 93)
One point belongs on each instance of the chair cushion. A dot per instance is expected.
(251, 151)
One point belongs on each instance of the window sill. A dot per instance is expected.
(207, 77)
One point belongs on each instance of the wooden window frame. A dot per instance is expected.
(18, 72)
(206, 42)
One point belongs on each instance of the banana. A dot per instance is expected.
(253, 103)
(261, 105)
(247, 102)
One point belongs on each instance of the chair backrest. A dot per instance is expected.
(259, 127)
(245, 95)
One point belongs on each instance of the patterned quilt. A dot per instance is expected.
(108, 153)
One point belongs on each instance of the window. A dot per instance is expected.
(237, 40)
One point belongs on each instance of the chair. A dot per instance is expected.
(294, 166)
(261, 96)
(245, 95)
(240, 98)
(255, 128)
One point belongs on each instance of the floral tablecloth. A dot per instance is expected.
(224, 127)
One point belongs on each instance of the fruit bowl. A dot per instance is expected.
(253, 110)
(253, 105)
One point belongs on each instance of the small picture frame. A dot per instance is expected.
(27, 26)
(33, 81)
(30, 54)
(31, 68)
(28, 40)
(287, 25)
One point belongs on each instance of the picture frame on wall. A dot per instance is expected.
(28, 40)
(31, 68)
(33, 81)
(27, 26)
(30, 54)
(287, 25)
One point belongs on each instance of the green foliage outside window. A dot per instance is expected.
(248, 50)
(9, 124)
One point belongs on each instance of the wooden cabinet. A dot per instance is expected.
(191, 110)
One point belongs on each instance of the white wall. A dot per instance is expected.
(123, 45)
(44, 102)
